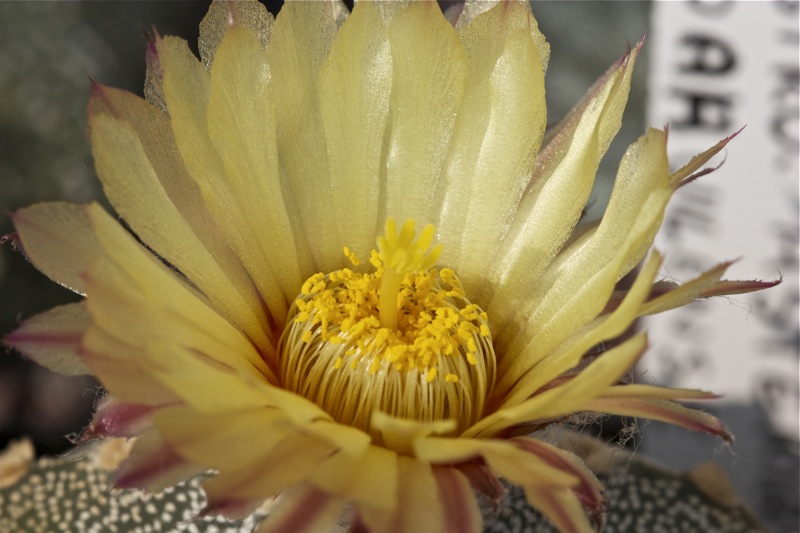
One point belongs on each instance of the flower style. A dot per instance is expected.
(232, 332)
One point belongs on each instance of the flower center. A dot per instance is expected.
(403, 339)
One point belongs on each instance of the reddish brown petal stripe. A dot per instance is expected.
(663, 411)
(114, 418)
(53, 338)
(458, 501)
(483, 480)
(589, 490)
(302, 509)
(153, 466)
(561, 507)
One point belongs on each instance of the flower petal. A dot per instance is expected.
(139, 300)
(399, 434)
(575, 288)
(559, 188)
(589, 489)
(187, 92)
(641, 391)
(119, 364)
(113, 418)
(235, 431)
(507, 460)
(242, 128)
(57, 238)
(130, 144)
(354, 87)
(419, 506)
(497, 134)
(571, 397)
(525, 373)
(301, 39)
(289, 462)
(461, 511)
(428, 83)
(53, 338)
(371, 479)
(222, 14)
(302, 509)
(663, 411)
(153, 466)
(561, 507)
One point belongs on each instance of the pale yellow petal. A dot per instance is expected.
(561, 183)
(140, 301)
(223, 14)
(354, 87)
(199, 380)
(495, 140)
(119, 366)
(419, 506)
(575, 288)
(572, 397)
(524, 373)
(505, 459)
(288, 463)
(686, 292)
(400, 433)
(301, 39)
(137, 198)
(53, 338)
(429, 77)
(241, 126)
(133, 187)
(57, 238)
(187, 88)
(230, 440)
(370, 479)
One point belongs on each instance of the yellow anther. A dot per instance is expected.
(431, 375)
(389, 334)
(351, 256)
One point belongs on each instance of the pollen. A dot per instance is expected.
(413, 347)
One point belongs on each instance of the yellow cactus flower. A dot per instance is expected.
(399, 377)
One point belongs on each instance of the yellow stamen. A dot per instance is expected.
(404, 340)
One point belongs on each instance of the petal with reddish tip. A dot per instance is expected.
(53, 338)
(57, 238)
(571, 397)
(663, 411)
(561, 507)
(504, 458)
(114, 418)
(688, 172)
(153, 466)
(461, 512)
(639, 390)
(302, 509)
(589, 489)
